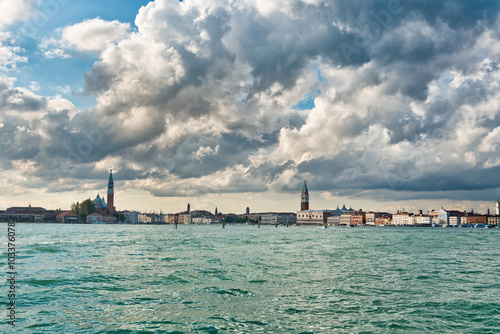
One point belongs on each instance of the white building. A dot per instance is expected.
(333, 220)
(208, 220)
(371, 216)
(131, 217)
(423, 220)
(313, 217)
(403, 219)
(345, 219)
(280, 218)
(454, 220)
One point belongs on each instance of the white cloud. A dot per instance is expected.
(95, 35)
(205, 151)
(34, 86)
(63, 90)
(12, 11)
(88, 36)
(9, 55)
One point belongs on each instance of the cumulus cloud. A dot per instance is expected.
(12, 11)
(88, 36)
(202, 98)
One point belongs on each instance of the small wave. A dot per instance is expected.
(175, 279)
(258, 281)
(44, 282)
(210, 330)
(292, 310)
(231, 292)
(48, 249)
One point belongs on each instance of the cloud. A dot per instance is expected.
(88, 36)
(12, 11)
(10, 55)
(202, 98)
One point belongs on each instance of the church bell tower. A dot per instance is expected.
(111, 194)
(304, 198)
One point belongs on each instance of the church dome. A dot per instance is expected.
(99, 202)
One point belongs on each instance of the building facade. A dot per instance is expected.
(403, 219)
(371, 216)
(358, 219)
(67, 217)
(280, 218)
(99, 218)
(313, 217)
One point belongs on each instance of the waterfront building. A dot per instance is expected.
(444, 216)
(142, 218)
(403, 219)
(472, 219)
(304, 198)
(454, 221)
(371, 216)
(197, 220)
(111, 194)
(434, 216)
(313, 217)
(494, 220)
(171, 218)
(19, 215)
(184, 218)
(280, 218)
(383, 221)
(345, 218)
(29, 209)
(358, 218)
(99, 218)
(208, 220)
(131, 217)
(67, 217)
(423, 220)
(333, 220)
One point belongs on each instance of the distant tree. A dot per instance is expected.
(75, 208)
(229, 219)
(86, 208)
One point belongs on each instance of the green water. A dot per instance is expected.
(244, 279)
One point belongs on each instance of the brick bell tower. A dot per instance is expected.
(111, 194)
(304, 198)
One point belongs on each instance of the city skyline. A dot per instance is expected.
(382, 105)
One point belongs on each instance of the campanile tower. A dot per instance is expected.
(111, 194)
(304, 198)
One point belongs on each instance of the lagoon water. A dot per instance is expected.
(244, 279)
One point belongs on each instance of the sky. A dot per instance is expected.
(379, 105)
